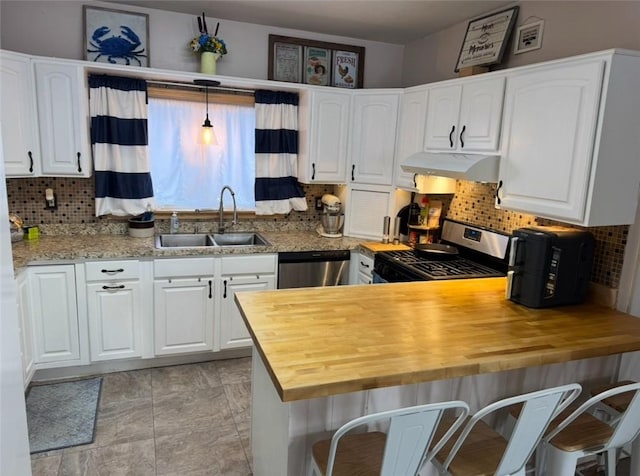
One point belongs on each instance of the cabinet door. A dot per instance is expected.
(411, 124)
(443, 110)
(115, 320)
(55, 314)
(20, 145)
(184, 312)
(365, 210)
(480, 115)
(233, 332)
(26, 328)
(548, 138)
(373, 139)
(328, 137)
(63, 119)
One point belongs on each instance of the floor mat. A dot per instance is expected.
(63, 414)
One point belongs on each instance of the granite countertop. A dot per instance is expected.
(49, 249)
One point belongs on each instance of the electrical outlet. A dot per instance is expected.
(318, 203)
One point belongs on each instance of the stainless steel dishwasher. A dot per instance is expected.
(301, 269)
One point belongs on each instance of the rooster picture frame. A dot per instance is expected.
(318, 63)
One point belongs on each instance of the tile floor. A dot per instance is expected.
(187, 420)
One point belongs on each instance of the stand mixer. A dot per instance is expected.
(332, 217)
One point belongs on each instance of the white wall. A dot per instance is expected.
(54, 28)
(570, 28)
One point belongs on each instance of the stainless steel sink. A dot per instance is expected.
(240, 239)
(184, 240)
(189, 240)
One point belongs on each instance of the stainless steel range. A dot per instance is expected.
(481, 253)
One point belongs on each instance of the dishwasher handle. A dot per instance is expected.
(313, 256)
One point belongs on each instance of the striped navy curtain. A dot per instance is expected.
(118, 108)
(277, 189)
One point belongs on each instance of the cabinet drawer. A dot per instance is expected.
(249, 264)
(112, 270)
(365, 265)
(183, 267)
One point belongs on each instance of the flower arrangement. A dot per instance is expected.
(206, 42)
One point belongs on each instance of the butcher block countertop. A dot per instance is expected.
(317, 342)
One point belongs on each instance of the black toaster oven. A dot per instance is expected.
(549, 266)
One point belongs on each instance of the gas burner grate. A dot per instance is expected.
(433, 268)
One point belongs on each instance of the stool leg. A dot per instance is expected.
(611, 461)
(559, 463)
(635, 456)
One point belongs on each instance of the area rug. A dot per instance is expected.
(63, 414)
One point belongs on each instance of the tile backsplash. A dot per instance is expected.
(76, 203)
(472, 203)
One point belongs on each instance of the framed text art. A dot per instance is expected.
(486, 39)
(320, 63)
(115, 36)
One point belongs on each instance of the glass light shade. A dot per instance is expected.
(208, 136)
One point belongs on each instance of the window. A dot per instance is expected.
(186, 173)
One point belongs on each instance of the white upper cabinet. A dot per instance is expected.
(571, 140)
(465, 117)
(45, 123)
(373, 127)
(324, 134)
(411, 131)
(21, 146)
(63, 119)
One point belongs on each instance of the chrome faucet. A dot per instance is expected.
(221, 209)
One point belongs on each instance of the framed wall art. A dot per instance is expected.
(320, 63)
(528, 37)
(115, 36)
(486, 39)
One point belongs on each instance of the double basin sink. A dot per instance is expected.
(201, 240)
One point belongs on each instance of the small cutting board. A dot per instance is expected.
(376, 246)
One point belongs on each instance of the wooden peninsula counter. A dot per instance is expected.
(343, 342)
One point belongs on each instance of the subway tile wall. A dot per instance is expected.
(473, 203)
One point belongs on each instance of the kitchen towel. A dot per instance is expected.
(277, 189)
(119, 138)
(63, 414)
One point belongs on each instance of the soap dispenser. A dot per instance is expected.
(175, 223)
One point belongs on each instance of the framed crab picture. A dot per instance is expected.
(116, 36)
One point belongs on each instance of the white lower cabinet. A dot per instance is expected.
(183, 295)
(115, 309)
(26, 328)
(239, 274)
(360, 268)
(60, 338)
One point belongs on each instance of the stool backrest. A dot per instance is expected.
(411, 431)
(539, 409)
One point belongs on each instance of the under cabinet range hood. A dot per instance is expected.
(474, 167)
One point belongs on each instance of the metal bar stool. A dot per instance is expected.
(480, 450)
(400, 451)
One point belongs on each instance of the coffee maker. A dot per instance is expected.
(331, 218)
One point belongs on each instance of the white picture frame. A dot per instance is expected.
(528, 37)
(116, 36)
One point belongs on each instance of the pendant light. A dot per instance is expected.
(208, 136)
